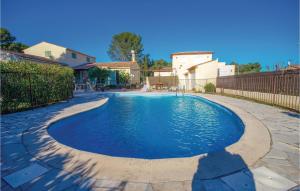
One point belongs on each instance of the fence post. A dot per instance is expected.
(242, 80)
(30, 90)
(274, 87)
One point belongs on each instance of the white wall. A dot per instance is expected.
(204, 69)
(163, 74)
(182, 62)
(207, 70)
(227, 70)
(80, 58)
(58, 53)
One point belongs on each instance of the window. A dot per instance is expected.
(74, 55)
(48, 53)
(88, 59)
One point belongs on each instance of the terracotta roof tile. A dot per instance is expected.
(33, 58)
(163, 69)
(106, 65)
(116, 64)
(84, 66)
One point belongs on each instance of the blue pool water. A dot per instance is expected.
(150, 127)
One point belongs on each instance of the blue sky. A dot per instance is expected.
(266, 31)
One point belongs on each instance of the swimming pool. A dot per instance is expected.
(151, 126)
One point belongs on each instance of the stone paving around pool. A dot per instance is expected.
(22, 169)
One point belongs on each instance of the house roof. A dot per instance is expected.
(116, 64)
(193, 67)
(191, 53)
(68, 49)
(105, 65)
(32, 57)
(293, 67)
(84, 66)
(163, 69)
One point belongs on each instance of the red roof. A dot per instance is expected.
(105, 65)
(116, 64)
(33, 58)
(84, 66)
(163, 69)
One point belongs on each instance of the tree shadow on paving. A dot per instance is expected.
(292, 114)
(212, 168)
(77, 176)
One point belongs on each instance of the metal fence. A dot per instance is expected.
(20, 91)
(281, 88)
(277, 88)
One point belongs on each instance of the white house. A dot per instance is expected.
(195, 69)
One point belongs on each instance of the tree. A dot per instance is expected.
(98, 74)
(17, 47)
(246, 68)
(7, 42)
(122, 44)
(124, 77)
(158, 64)
(145, 63)
(6, 38)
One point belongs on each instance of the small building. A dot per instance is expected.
(164, 71)
(130, 67)
(195, 69)
(59, 54)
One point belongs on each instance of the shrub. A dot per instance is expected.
(98, 74)
(210, 88)
(124, 78)
(111, 86)
(27, 84)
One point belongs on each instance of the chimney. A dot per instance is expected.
(132, 56)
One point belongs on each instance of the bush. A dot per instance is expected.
(27, 84)
(124, 77)
(111, 86)
(210, 88)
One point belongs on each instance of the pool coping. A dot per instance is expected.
(252, 146)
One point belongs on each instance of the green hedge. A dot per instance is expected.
(210, 88)
(27, 84)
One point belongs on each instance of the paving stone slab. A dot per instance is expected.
(52, 180)
(12, 152)
(240, 181)
(216, 184)
(193, 185)
(271, 179)
(10, 166)
(22, 176)
(165, 186)
(297, 188)
(138, 187)
(110, 184)
(282, 162)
